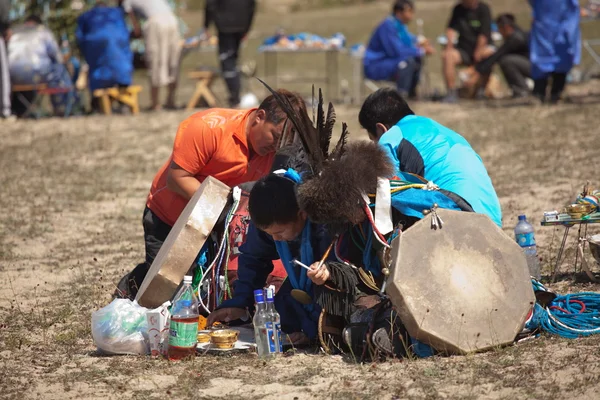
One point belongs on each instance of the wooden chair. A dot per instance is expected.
(205, 79)
(126, 95)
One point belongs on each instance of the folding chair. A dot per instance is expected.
(33, 107)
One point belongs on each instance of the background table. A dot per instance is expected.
(568, 222)
(331, 76)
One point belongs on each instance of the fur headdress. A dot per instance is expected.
(332, 192)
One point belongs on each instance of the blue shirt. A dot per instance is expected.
(390, 44)
(103, 39)
(421, 146)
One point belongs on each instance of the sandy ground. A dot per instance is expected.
(73, 194)
(72, 197)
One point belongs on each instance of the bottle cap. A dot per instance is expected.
(259, 296)
(187, 279)
(269, 294)
(522, 217)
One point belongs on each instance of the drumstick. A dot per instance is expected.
(326, 253)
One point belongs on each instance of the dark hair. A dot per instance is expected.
(273, 201)
(506, 20)
(34, 18)
(401, 5)
(275, 114)
(385, 106)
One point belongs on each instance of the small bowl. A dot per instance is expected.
(578, 210)
(224, 338)
(203, 337)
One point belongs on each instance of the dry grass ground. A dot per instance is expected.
(72, 197)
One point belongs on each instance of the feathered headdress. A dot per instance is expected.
(332, 192)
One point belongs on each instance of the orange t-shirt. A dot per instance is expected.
(209, 143)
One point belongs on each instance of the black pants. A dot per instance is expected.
(229, 47)
(155, 234)
(516, 68)
(408, 75)
(558, 85)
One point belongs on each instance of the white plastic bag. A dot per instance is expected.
(121, 328)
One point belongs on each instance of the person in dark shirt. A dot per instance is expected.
(472, 21)
(512, 56)
(232, 19)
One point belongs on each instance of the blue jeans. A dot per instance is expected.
(407, 76)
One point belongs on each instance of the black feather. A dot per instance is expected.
(303, 126)
(340, 147)
(320, 114)
(312, 102)
(325, 135)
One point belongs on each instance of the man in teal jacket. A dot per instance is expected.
(422, 149)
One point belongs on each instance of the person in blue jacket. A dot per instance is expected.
(424, 150)
(278, 230)
(103, 39)
(393, 53)
(555, 44)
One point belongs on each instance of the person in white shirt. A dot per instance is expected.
(163, 44)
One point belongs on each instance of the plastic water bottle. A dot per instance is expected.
(525, 238)
(183, 328)
(259, 321)
(274, 320)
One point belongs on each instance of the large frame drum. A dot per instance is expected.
(461, 288)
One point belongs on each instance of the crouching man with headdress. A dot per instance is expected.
(278, 230)
(341, 192)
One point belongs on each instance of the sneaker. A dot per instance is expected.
(451, 98)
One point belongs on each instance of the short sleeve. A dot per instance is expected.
(486, 20)
(454, 19)
(195, 144)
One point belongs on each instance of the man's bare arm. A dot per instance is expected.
(181, 181)
(482, 43)
(137, 31)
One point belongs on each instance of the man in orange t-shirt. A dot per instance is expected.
(233, 146)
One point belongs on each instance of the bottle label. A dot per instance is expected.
(183, 334)
(525, 239)
(271, 338)
(279, 337)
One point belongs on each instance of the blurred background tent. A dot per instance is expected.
(60, 16)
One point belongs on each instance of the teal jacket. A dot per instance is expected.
(421, 146)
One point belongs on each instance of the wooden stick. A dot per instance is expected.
(327, 253)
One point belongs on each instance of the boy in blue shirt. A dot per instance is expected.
(422, 149)
(393, 53)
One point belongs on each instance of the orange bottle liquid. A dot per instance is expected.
(184, 327)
